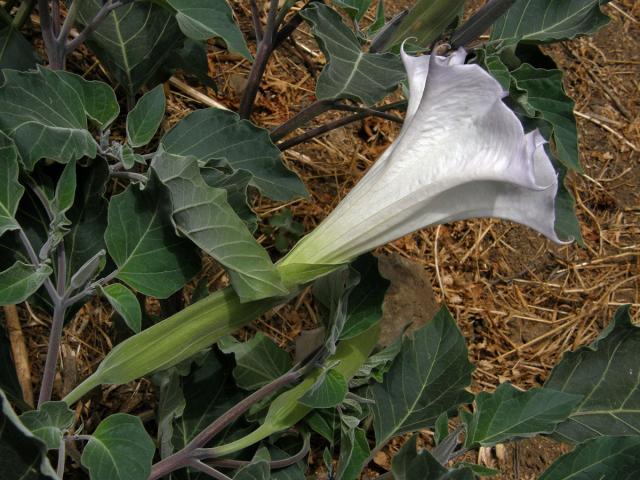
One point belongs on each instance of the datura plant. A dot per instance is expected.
(95, 204)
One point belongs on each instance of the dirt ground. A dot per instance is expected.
(519, 300)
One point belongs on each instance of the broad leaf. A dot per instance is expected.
(498, 70)
(88, 216)
(365, 301)
(509, 413)
(350, 72)
(258, 469)
(10, 189)
(49, 422)
(549, 20)
(205, 19)
(333, 291)
(410, 464)
(328, 391)
(22, 455)
(52, 124)
(125, 303)
(20, 281)
(119, 449)
(607, 374)
(209, 392)
(226, 140)
(140, 238)
(426, 21)
(145, 118)
(567, 224)
(354, 450)
(171, 404)
(355, 8)
(604, 458)
(236, 185)
(428, 377)
(258, 361)
(543, 92)
(202, 214)
(377, 365)
(15, 51)
(133, 41)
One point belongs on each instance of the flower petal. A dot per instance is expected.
(462, 153)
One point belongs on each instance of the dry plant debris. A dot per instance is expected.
(519, 300)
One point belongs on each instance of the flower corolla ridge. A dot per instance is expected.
(461, 153)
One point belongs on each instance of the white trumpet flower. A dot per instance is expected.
(461, 153)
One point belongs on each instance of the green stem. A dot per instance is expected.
(22, 15)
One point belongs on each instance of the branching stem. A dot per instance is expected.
(191, 451)
(265, 48)
(362, 113)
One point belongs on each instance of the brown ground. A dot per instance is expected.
(520, 301)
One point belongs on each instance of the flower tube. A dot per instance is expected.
(461, 153)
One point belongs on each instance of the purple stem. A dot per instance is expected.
(185, 456)
(265, 48)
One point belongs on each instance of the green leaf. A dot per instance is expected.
(236, 185)
(409, 464)
(125, 303)
(607, 374)
(428, 377)
(88, 216)
(333, 291)
(226, 140)
(99, 100)
(355, 8)
(133, 41)
(258, 469)
(145, 118)
(328, 391)
(15, 51)
(426, 21)
(324, 422)
(49, 422)
(143, 244)
(509, 413)
(171, 404)
(544, 93)
(129, 158)
(603, 458)
(549, 20)
(498, 70)
(22, 455)
(350, 72)
(20, 281)
(258, 361)
(365, 301)
(205, 19)
(119, 449)
(354, 450)
(479, 470)
(62, 202)
(52, 124)
(209, 391)
(10, 189)
(567, 225)
(202, 214)
(441, 428)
